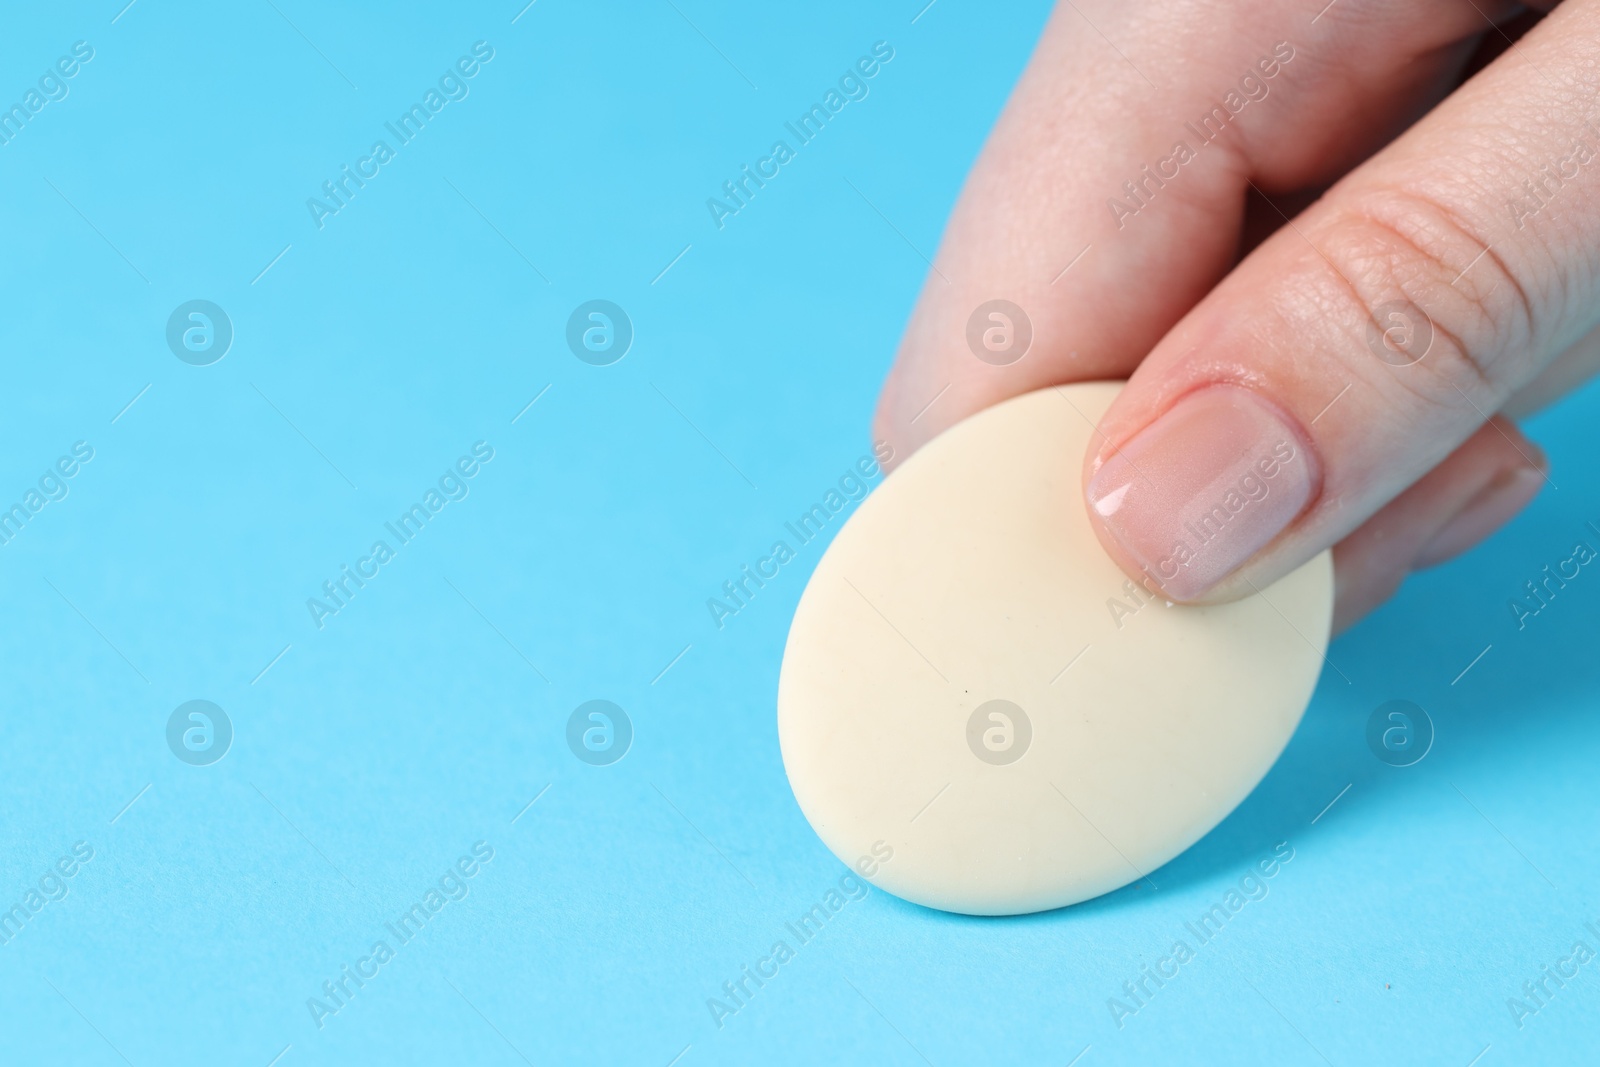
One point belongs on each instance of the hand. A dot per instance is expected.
(1329, 266)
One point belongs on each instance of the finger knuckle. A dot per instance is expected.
(1428, 293)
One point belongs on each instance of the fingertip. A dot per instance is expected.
(1476, 490)
(1203, 488)
(1495, 505)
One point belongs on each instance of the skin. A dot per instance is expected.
(1381, 163)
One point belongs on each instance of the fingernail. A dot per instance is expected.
(1493, 507)
(1206, 486)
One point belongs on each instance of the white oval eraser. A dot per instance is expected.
(979, 712)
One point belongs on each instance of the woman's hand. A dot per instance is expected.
(1328, 267)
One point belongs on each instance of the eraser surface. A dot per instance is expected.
(971, 683)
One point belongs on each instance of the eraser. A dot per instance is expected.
(980, 712)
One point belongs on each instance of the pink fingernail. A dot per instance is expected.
(1206, 486)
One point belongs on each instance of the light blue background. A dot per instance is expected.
(377, 750)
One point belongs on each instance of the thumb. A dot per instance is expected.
(1367, 339)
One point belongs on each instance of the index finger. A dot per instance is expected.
(1110, 196)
